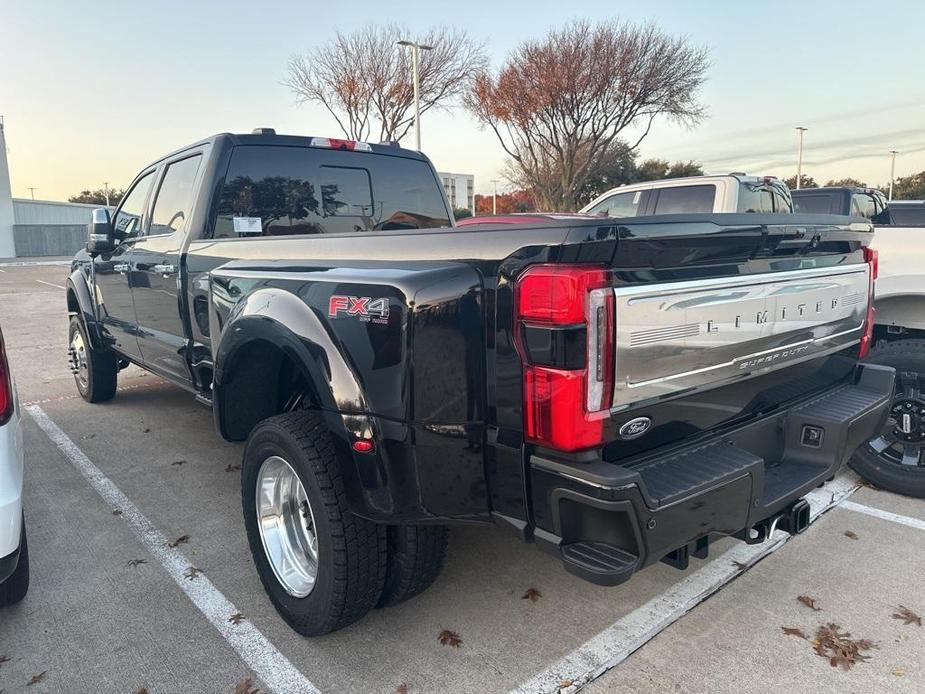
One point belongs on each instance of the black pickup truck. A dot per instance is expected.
(620, 392)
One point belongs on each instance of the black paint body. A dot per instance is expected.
(438, 384)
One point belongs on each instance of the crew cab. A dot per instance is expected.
(620, 392)
(735, 192)
(868, 203)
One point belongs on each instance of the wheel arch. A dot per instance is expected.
(80, 304)
(258, 351)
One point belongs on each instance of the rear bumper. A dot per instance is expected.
(606, 521)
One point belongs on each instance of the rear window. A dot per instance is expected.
(818, 204)
(685, 199)
(278, 190)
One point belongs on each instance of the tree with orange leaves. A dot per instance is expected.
(558, 105)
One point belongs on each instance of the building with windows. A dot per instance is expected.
(460, 189)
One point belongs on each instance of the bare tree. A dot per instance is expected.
(364, 79)
(559, 104)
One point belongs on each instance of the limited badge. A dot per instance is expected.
(635, 428)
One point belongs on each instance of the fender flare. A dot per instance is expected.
(281, 318)
(77, 286)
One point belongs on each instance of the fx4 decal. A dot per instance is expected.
(365, 308)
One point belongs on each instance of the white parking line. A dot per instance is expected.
(261, 656)
(34, 263)
(625, 636)
(51, 284)
(884, 515)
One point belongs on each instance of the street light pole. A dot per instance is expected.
(893, 152)
(31, 192)
(417, 86)
(494, 196)
(801, 130)
(106, 192)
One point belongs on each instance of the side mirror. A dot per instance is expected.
(100, 235)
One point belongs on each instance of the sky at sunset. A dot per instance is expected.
(91, 92)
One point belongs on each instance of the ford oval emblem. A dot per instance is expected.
(635, 428)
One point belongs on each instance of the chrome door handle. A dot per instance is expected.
(121, 268)
(165, 270)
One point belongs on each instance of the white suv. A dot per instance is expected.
(14, 554)
(733, 192)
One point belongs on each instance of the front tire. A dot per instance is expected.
(895, 459)
(94, 370)
(14, 588)
(322, 567)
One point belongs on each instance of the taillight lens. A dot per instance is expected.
(872, 258)
(565, 408)
(6, 386)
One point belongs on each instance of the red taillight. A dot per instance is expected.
(872, 258)
(6, 386)
(565, 408)
(363, 446)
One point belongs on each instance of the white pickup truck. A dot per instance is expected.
(895, 459)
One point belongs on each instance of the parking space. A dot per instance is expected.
(109, 612)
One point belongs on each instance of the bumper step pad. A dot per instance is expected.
(678, 476)
(599, 563)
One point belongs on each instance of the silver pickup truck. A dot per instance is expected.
(895, 460)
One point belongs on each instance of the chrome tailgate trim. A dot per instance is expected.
(692, 335)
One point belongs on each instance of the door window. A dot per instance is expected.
(127, 223)
(755, 198)
(175, 196)
(619, 205)
(685, 199)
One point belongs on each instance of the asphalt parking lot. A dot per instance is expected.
(114, 608)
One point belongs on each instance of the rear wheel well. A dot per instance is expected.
(262, 381)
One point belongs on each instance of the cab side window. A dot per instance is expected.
(175, 196)
(619, 205)
(127, 223)
(862, 205)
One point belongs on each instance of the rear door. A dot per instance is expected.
(113, 272)
(156, 287)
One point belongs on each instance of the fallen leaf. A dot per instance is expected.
(794, 631)
(4, 659)
(839, 648)
(179, 462)
(907, 616)
(231, 467)
(192, 572)
(246, 687)
(532, 595)
(182, 540)
(449, 638)
(236, 618)
(809, 602)
(869, 485)
(135, 562)
(739, 565)
(402, 689)
(117, 512)
(145, 431)
(851, 535)
(899, 672)
(565, 684)
(37, 678)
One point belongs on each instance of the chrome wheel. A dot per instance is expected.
(77, 359)
(287, 526)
